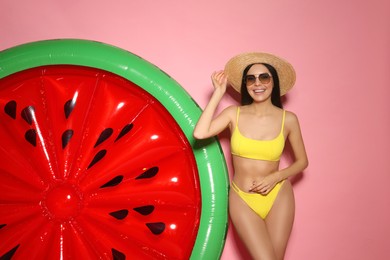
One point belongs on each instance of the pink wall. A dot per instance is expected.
(342, 56)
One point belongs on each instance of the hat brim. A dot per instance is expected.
(235, 67)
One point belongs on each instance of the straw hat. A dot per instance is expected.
(236, 65)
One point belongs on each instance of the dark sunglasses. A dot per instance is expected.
(264, 78)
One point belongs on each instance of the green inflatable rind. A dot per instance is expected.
(211, 164)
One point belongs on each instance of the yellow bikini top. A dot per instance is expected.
(267, 150)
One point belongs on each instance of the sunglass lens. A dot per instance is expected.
(250, 79)
(264, 78)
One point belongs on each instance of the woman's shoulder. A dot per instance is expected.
(291, 119)
(229, 113)
(232, 109)
(290, 115)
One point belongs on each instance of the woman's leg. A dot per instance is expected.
(251, 228)
(280, 219)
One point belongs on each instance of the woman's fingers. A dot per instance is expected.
(219, 80)
(219, 75)
(262, 188)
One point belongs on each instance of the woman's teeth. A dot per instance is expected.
(259, 90)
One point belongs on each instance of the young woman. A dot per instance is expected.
(261, 199)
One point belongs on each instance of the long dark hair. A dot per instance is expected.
(246, 99)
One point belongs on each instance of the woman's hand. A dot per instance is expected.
(219, 80)
(266, 184)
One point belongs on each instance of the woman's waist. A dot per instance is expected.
(250, 167)
(239, 176)
(245, 177)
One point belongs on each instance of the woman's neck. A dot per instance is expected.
(261, 108)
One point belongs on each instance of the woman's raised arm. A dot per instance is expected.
(208, 126)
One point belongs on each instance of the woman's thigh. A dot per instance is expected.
(280, 220)
(251, 228)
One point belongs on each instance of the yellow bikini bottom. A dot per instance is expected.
(261, 204)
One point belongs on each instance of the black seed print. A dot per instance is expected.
(10, 109)
(124, 131)
(66, 136)
(117, 255)
(28, 114)
(157, 228)
(148, 174)
(120, 214)
(104, 136)
(31, 136)
(9, 254)
(97, 157)
(145, 210)
(68, 107)
(2, 225)
(115, 181)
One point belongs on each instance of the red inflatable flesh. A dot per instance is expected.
(92, 166)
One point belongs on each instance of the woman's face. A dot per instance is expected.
(259, 82)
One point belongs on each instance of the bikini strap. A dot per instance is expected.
(238, 113)
(284, 116)
(235, 188)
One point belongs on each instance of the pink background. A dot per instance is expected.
(341, 52)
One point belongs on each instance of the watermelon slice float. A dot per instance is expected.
(97, 159)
